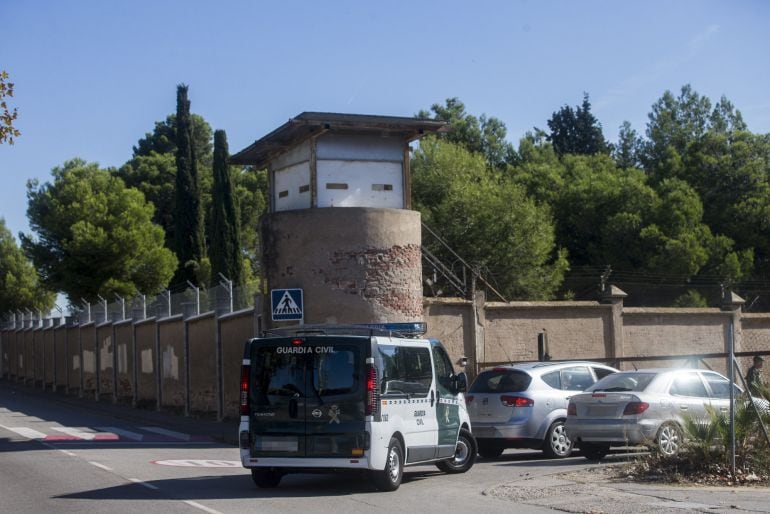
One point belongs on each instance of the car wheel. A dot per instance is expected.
(490, 450)
(594, 451)
(557, 445)
(390, 478)
(668, 441)
(266, 478)
(465, 455)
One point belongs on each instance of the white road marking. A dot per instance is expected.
(201, 507)
(100, 466)
(65, 452)
(199, 463)
(169, 433)
(122, 433)
(74, 432)
(25, 432)
(145, 484)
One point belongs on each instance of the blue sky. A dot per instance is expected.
(93, 76)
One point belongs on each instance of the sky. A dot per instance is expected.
(93, 76)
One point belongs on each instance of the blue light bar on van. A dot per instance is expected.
(411, 329)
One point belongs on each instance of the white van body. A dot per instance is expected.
(329, 401)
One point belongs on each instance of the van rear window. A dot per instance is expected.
(281, 371)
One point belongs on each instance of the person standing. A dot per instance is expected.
(754, 377)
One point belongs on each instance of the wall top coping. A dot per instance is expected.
(104, 324)
(86, 325)
(755, 315)
(446, 301)
(127, 321)
(202, 315)
(688, 311)
(545, 305)
(169, 319)
(151, 319)
(237, 314)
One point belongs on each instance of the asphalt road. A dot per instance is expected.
(58, 455)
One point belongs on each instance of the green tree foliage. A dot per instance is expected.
(188, 214)
(7, 117)
(251, 192)
(154, 175)
(487, 219)
(484, 135)
(20, 287)
(577, 131)
(225, 247)
(626, 152)
(163, 139)
(94, 236)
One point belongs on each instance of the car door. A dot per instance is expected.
(689, 395)
(719, 389)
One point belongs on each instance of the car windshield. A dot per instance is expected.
(500, 381)
(620, 382)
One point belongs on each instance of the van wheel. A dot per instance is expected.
(557, 445)
(390, 478)
(465, 454)
(266, 478)
(594, 451)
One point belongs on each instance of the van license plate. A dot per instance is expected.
(276, 444)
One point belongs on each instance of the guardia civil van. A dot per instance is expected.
(374, 398)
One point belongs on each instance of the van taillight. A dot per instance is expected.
(516, 401)
(245, 372)
(372, 395)
(635, 408)
(468, 398)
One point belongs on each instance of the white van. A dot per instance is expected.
(357, 398)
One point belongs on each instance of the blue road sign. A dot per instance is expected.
(286, 304)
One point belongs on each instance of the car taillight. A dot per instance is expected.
(245, 372)
(516, 401)
(468, 398)
(635, 408)
(372, 395)
(571, 409)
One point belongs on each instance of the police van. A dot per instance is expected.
(374, 398)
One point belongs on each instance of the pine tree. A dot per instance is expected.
(225, 227)
(188, 216)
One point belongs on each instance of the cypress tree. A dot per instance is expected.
(225, 251)
(188, 216)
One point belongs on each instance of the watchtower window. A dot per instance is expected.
(283, 194)
(304, 189)
(382, 187)
(336, 185)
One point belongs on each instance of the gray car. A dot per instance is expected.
(644, 407)
(525, 405)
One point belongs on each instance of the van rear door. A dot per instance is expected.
(307, 396)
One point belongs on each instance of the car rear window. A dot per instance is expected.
(501, 381)
(620, 382)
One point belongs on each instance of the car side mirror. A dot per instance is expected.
(459, 383)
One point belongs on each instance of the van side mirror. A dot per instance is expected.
(459, 383)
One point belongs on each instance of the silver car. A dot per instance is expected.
(644, 407)
(525, 405)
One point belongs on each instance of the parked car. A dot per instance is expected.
(644, 407)
(525, 405)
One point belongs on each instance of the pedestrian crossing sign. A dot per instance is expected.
(286, 304)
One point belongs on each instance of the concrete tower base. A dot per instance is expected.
(355, 264)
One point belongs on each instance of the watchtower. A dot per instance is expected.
(339, 224)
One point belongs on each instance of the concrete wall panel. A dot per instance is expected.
(48, 356)
(124, 347)
(74, 359)
(203, 364)
(106, 349)
(235, 331)
(147, 363)
(61, 360)
(88, 356)
(172, 363)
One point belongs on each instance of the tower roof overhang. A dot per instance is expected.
(309, 124)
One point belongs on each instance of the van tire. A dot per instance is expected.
(390, 478)
(266, 478)
(465, 454)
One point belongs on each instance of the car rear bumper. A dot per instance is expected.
(622, 431)
(499, 431)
